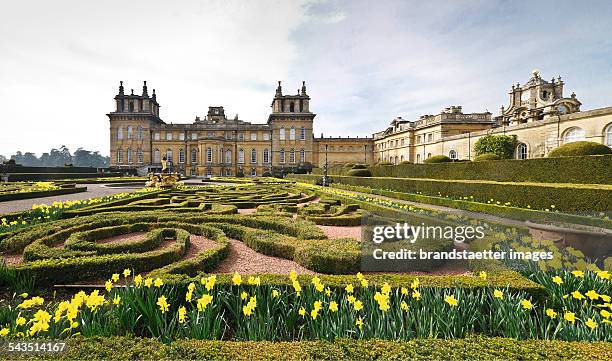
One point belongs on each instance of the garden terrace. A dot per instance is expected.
(25, 190)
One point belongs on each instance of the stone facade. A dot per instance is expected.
(539, 115)
(217, 145)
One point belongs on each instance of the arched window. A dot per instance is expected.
(240, 156)
(608, 135)
(302, 133)
(521, 151)
(253, 156)
(120, 133)
(292, 156)
(129, 155)
(266, 155)
(281, 134)
(302, 155)
(181, 155)
(129, 132)
(428, 155)
(156, 156)
(401, 158)
(253, 172)
(574, 134)
(396, 159)
(281, 156)
(452, 154)
(209, 155)
(292, 133)
(139, 133)
(228, 156)
(194, 156)
(119, 156)
(139, 156)
(418, 158)
(169, 155)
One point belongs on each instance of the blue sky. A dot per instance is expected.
(365, 62)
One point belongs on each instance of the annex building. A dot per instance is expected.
(538, 113)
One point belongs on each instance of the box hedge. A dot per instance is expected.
(38, 194)
(564, 197)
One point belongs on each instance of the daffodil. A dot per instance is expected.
(498, 294)
(578, 273)
(591, 324)
(108, 285)
(483, 275)
(4, 332)
(451, 300)
(577, 295)
(557, 280)
(236, 279)
(416, 294)
(404, 306)
(526, 304)
(551, 313)
(357, 305)
(302, 311)
(115, 277)
(116, 300)
(182, 313)
(592, 295)
(604, 275)
(148, 282)
(349, 288)
(158, 282)
(126, 272)
(570, 317)
(333, 306)
(163, 304)
(138, 280)
(359, 322)
(20, 321)
(275, 293)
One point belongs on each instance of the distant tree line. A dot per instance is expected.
(60, 158)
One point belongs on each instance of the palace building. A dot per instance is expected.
(539, 115)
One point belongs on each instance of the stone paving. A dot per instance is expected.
(93, 190)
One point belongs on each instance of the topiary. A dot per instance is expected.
(501, 145)
(438, 159)
(579, 148)
(348, 165)
(359, 173)
(360, 166)
(486, 157)
(384, 162)
(405, 162)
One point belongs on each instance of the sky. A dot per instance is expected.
(364, 62)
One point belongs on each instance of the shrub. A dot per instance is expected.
(486, 157)
(438, 159)
(348, 165)
(502, 145)
(359, 173)
(360, 166)
(580, 148)
(405, 162)
(384, 162)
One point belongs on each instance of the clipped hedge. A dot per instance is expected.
(38, 194)
(486, 157)
(567, 197)
(359, 173)
(471, 348)
(580, 148)
(585, 169)
(440, 158)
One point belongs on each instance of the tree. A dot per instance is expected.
(500, 145)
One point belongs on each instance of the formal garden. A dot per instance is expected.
(268, 268)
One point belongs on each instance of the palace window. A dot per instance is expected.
(168, 136)
(418, 158)
(240, 136)
(521, 151)
(156, 156)
(302, 155)
(209, 172)
(194, 156)
(139, 134)
(181, 155)
(292, 156)
(139, 158)
(169, 155)
(430, 137)
(129, 155)
(253, 136)
(119, 156)
(194, 136)
(401, 158)
(266, 156)
(240, 156)
(281, 134)
(292, 133)
(181, 136)
(253, 172)
(608, 135)
(452, 154)
(129, 128)
(302, 133)
(156, 136)
(266, 136)
(574, 134)
(291, 107)
(428, 155)
(209, 155)
(228, 156)
(193, 172)
(120, 133)
(131, 106)
(281, 156)
(253, 156)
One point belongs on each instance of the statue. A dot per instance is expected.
(165, 179)
(164, 163)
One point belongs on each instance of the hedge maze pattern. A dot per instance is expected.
(284, 225)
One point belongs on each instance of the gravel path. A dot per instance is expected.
(244, 260)
(93, 191)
